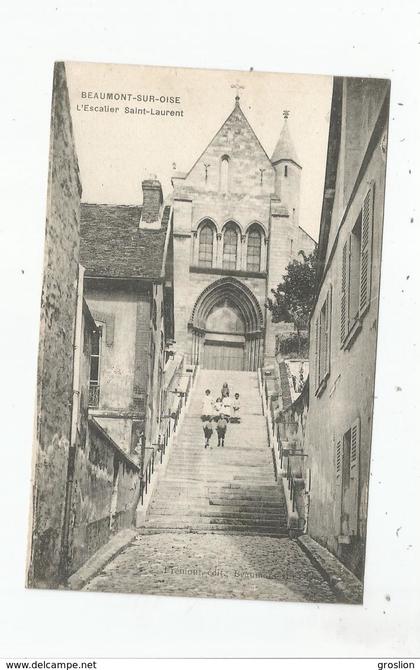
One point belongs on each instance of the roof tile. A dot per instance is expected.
(112, 244)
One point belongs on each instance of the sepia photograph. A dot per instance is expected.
(208, 333)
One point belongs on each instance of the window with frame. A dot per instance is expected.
(323, 344)
(356, 272)
(347, 470)
(253, 253)
(205, 246)
(95, 360)
(230, 247)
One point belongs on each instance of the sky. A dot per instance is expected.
(117, 150)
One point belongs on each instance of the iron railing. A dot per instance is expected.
(168, 427)
(94, 392)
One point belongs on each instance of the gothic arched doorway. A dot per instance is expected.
(227, 327)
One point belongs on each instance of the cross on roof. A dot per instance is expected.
(286, 113)
(237, 86)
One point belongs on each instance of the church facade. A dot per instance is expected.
(236, 228)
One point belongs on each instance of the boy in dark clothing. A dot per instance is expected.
(208, 432)
(221, 431)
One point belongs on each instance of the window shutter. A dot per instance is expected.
(344, 294)
(354, 477)
(316, 354)
(338, 484)
(329, 320)
(321, 338)
(366, 251)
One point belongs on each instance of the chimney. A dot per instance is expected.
(152, 204)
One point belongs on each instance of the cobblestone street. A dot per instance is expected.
(214, 565)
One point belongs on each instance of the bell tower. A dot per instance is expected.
(285, 234)
(288, 170)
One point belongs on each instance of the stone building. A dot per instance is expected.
(55, 437)
(84, 485)
(236, 228)
(127, 252)
(343, 328)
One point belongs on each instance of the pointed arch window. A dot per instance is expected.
(230, 247)
(253, 252)
(205, 246)
(224, 174)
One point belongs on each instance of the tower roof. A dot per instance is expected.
(285, 149)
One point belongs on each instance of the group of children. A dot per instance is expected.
(221, 411)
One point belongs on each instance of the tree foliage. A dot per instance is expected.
(294, 296)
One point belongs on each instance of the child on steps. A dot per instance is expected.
(221, 431)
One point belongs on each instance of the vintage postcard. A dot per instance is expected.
(209, 322)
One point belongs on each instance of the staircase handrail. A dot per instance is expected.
(168, 425)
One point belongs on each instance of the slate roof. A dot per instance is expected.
(285, 149)
(112, 245)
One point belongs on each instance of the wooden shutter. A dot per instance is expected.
(344, 324)
(330, 328)
(338, 484)
(354, 477)
(328, 331)
(366, 251)
(322, 343)
(316, 353)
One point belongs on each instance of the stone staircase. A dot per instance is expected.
(230, 489)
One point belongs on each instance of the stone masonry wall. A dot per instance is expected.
(55, 361)
(105, 493)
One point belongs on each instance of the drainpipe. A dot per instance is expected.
(77, 339)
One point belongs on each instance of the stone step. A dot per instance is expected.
(245, 504)
(220, 456)
(195, 445)
(247, 418)
(214, 453)
(223, 455)
(216, 511)
(250, 476)
(199, 526)
(209, 492)
(278, 534)
(228, 488)
(213, 479)
(198, 520)
(244, 449)
(223, 499)
(251, 432)
(210, 520)
(223, 468)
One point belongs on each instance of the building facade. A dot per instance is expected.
(236, 228)
(343, 328)
(127, 252)
(84, 485)
(54, 435)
